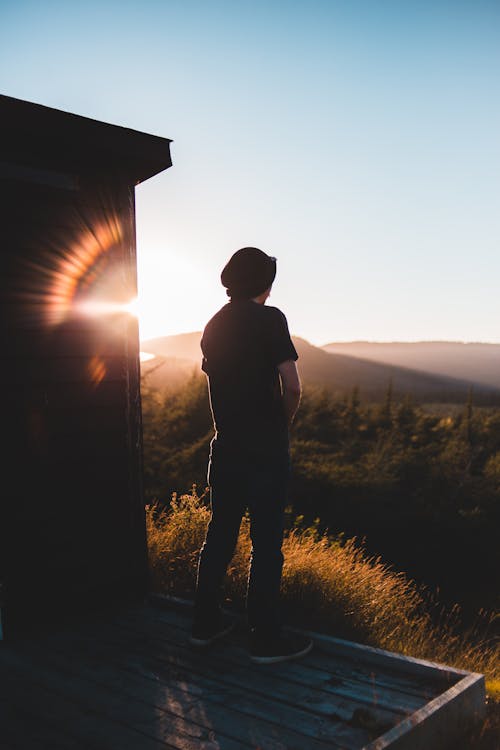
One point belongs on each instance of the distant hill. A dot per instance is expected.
(338, 372)
(176, 358)
(476, 362)
(341, 371)
(167, 371)
(181, 346)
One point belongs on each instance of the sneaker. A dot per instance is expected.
(276, 648)
(205, 633)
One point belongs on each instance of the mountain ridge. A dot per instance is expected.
(475, 361)
(339, 372)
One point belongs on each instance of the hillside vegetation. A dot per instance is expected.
(330, 585)
(377, 488)
(422, 488)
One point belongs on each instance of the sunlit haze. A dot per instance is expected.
(358, 142)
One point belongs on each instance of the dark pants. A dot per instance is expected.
(236, 483)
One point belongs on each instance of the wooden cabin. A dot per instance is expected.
(72, 516)
(72, 511)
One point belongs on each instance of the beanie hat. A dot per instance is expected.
(248, 273)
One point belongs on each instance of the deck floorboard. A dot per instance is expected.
(416, 685)
(17, 728)
(185, 673)
(130, 679)
(344, 693)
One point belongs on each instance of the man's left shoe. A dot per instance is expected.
(205, 633)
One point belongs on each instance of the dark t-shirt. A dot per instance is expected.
(242, 346)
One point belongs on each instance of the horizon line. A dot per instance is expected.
(345, 341)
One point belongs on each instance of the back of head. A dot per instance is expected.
(248, 273)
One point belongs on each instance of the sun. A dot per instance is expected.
(174, 294)
(134, 307)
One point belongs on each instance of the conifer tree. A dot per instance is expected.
(385, 413)
(468, 418)
(354, 409)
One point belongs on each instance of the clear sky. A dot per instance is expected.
(356, 140)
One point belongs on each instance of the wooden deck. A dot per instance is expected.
(128, 680)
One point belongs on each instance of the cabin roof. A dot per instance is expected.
(32, 135)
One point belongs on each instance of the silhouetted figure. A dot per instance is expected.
(249, 359)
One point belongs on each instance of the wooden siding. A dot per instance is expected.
(72, 504)
(71, 510)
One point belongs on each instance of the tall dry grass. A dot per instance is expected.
(329, 585)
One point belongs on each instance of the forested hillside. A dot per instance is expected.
(422, 487)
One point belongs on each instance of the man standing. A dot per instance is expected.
(249, 359)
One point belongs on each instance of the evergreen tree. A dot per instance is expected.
(468, 418)
(354, 409)
(384, 412)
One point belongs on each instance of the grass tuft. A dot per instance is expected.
(329, 585)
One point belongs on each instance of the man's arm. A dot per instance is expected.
(291, 388)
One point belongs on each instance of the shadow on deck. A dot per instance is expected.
(129, 680)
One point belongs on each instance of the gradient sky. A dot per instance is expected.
(357, 141)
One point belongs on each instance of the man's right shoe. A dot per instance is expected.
(204, 633)
(270, 649)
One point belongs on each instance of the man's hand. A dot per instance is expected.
(291, 388)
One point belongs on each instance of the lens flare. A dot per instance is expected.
(96, 370)
(79, 263)
(101, 307)
(133, 307)
(72, 284)
(83, 271)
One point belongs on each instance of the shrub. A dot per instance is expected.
(328, 584)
